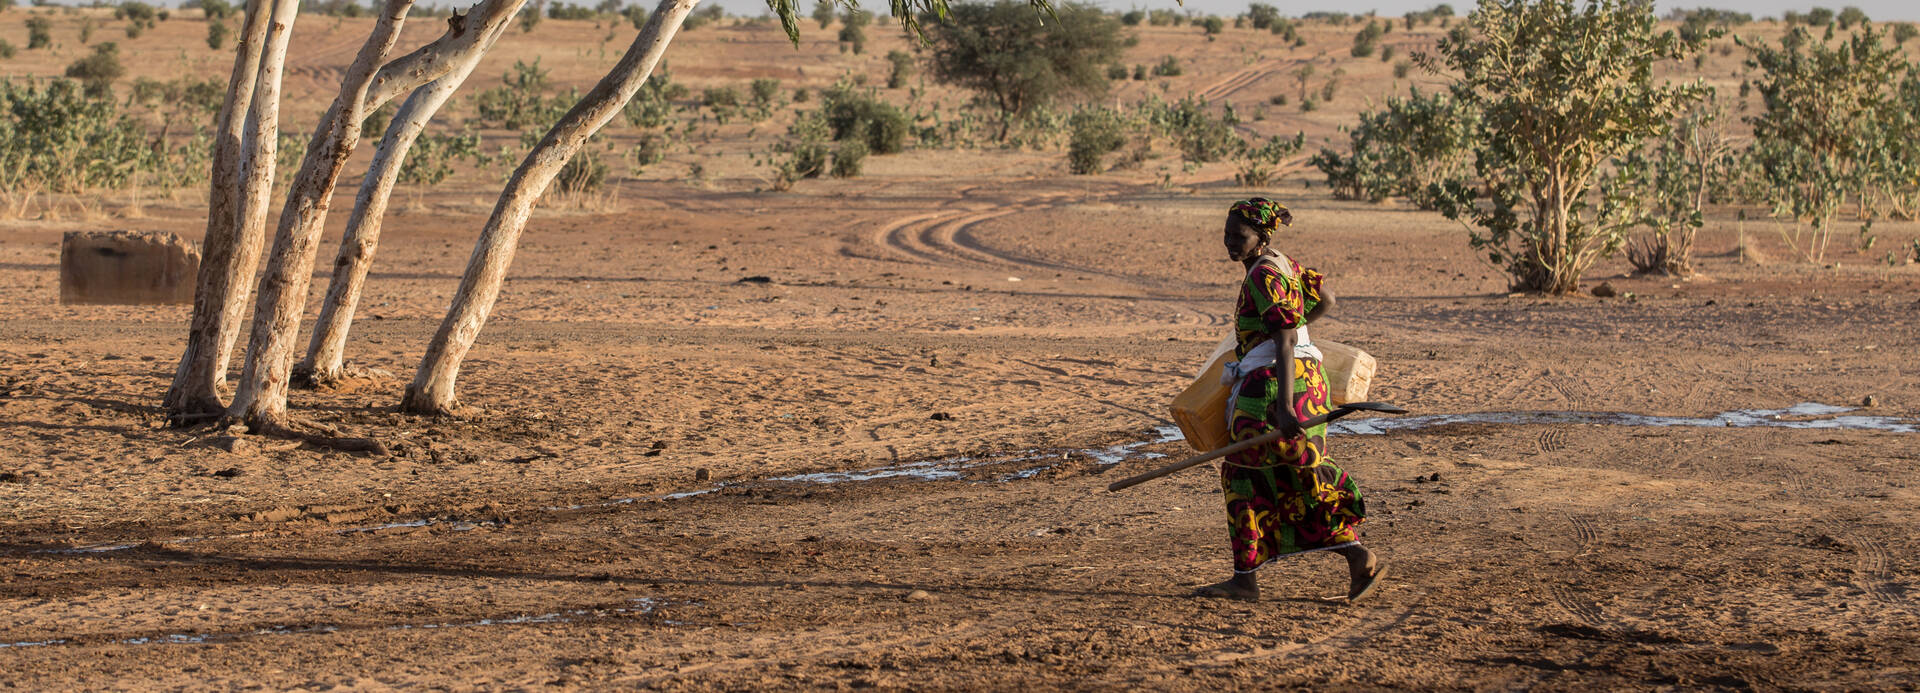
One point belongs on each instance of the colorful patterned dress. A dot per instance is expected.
(1285, 497)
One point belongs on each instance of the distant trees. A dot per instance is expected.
(1015, 61)
(1561, 89)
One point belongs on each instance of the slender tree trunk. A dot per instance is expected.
(432, 390)
(261, 399)
(221, 288)
(326, 352)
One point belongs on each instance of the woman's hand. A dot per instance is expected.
(1284, 420)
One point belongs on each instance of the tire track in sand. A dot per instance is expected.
(1871, 572)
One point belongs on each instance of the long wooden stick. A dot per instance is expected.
(1242, 445)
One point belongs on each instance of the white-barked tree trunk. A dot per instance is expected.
(432, 389)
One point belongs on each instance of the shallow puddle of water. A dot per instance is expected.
(1806, 415)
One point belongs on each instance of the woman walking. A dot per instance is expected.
(1284, 498)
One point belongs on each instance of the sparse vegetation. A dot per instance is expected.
(216, 34)
(902, 69)
(1097, 132)
(58, 138)
(522, 100)
(1168, 66)
(39, 33)
(1837, 125)
(1402, 150)
(1368, 40)
(1259, 166)
(98, 71)
(1670, 184)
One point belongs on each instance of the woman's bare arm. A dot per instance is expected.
(1325, 304)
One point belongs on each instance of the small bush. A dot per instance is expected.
(1096, 133)
(431, 158)
(39, 33)
(529, 18)
(1904, 32)
(1139, 73)
(1819, 16)
(1278, 99)
(1213, 26)
(852, 115)
(1133, 18)
(1169, 67)
(217, 34)
(86, 30)
(649, 150)
(522, 100)
(848, 158)
(1365, 42)
(902, 63)
(803, 154)
(1402, 69)
(1263, 16)
(59, 138)
(99, 71)
(766, 91)
(853, 37)
(1259, 164)
(1386, 54)
(652, 106)
(636, 15)
(824, 12)
(561, 10)
(216, 9)
(1117, 73)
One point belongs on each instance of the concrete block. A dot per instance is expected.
(127, 267)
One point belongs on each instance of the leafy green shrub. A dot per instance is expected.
(1169, 66)
(1838, 123)
(529, 18)
(649, 149)
(86, 30)
(1213, 26)
(561, 10)
(803, 154)
(1165, 18)
(853, 36)
(99, 71)
(39, 33)
(652, 105)
(522, 100)
(1015, 63)
(902, 64)
(1365, 42)
(59, 138)
(1402, 69)
(1117, 72)
(824, 12)
(848, 158)
(431, 158)
(1096, 133)
(1200, 136)
(766, 92)
(1904, 32)
(1819, 16)
(217, 35)
(139, 16)
(1401, 150)
(1262, 15)
(849, 114)
(1851, 17)
(1139, 73)
(1258, 165)
(6, 50)
(723, 101)
(1133, 17)
(1560, 87)
(213, 9)
(704, 16)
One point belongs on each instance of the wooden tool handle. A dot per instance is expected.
(1228, 450)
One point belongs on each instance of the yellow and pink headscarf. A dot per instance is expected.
(1264, 215)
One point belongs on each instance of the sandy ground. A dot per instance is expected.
(679, 480)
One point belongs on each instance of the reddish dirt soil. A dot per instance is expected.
(540, 542)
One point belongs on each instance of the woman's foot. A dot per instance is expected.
(1242, 587)
(1364, 572)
